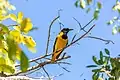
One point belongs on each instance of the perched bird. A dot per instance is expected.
(60, 43)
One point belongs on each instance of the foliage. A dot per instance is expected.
(85, 4)
(105, 64)
(12, 36)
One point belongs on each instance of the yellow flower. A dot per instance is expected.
(30, 43)
(25, 24)
(17, 36)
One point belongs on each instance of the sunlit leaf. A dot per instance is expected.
(106, 60)
(110, 22)
(114, 30)
(89, 1)
(96, 14)
(20, 17)
(5, 65)
(82, 4)
(99, 5)
(30, 43)
(13, 17)
(26, 25)
(107, 51)
(117, 6)
(24, 63)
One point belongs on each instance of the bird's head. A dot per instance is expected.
(66, 30)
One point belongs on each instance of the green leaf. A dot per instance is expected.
(89, 66)
(101, 55)
(96, 14)
(99, 5)
(5, 64)
(119, 29)
(1, 37)
(82, 4)
(107, 51)
(4, 28)
(100, 62)
(107, 67)
(106, 60)
(76, 3)
(24, 63)
(11, 48)
(89, 1)
(95, 60)
(114, 30)
(110, 22)
(95, 76)
(34, 28)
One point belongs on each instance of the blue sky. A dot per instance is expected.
(42, 12)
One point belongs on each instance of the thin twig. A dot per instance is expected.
(46, 73)
(38, 66)
(77, 39)
(107, 41)
(64, 63)
(33, 60)
(32, 71)
(60, 23)
(64, 68)
(12, 25)
(80, 36)
(49, 33)
(88, 23)
(79, 25)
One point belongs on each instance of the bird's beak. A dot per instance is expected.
(70, 29)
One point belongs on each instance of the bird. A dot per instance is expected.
(60, 43)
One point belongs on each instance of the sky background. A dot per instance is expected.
(42, 12)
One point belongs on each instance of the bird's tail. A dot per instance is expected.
(53, 59)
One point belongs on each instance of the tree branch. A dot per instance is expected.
(107, 72)
(38, 66)
(49, 33)
(107, 41)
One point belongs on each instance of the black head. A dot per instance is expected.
(66, 30)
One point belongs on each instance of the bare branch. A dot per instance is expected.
(34, 60)
(49, 33)
(60, 23)
(64, 68)
(88, 23)
(107, 41)
(46, 73)
(80, 37)
(78, 23)
(12, 25)
(38, 66)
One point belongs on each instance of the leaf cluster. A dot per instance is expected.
(105, 65)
